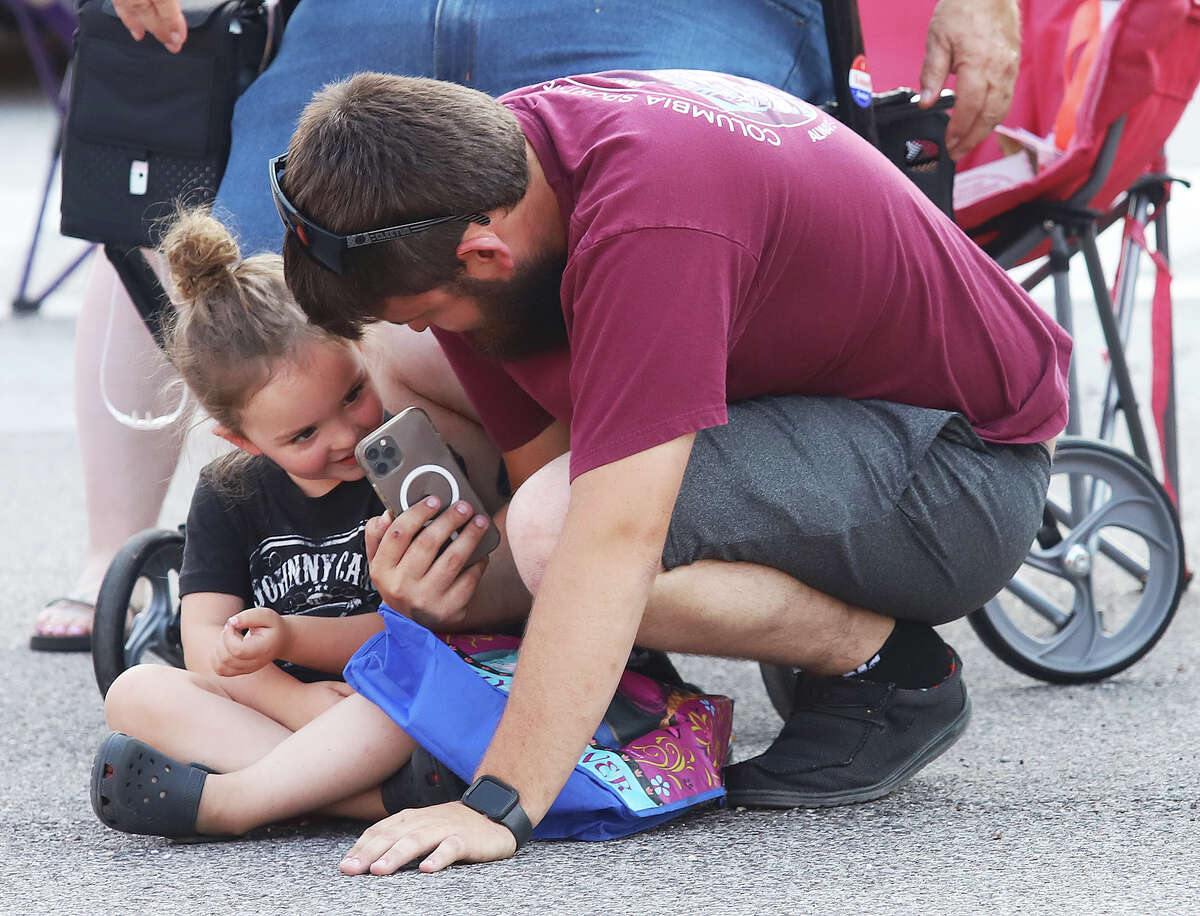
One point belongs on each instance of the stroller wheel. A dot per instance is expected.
(120, 637)
(1101, 582)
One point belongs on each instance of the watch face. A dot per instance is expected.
(491, 798)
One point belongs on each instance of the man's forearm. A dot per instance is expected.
(587, 612)
(574, 651)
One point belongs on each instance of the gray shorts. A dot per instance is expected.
(902, 510)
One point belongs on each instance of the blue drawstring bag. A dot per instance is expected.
(658, 752)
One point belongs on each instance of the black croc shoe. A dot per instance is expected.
(851, 740)
(138, 789)
(422, 781)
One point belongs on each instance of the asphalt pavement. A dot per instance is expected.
(1082, 799)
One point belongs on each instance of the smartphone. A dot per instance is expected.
(406, 461)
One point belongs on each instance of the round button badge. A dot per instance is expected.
(860, 82)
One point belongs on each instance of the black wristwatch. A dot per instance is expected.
(498, 801)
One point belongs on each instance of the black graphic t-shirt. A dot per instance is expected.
(276, 547)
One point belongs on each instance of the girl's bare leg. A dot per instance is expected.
(189, 717)
(346, 751)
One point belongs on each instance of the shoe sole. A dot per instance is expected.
(774, 798)
(42, 643)
(51, 642)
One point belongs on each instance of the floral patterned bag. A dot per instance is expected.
(659, 751)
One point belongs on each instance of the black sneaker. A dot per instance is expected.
(851, 740)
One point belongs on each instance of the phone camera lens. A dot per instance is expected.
(372, 453)
(389, 452)
(381, 468)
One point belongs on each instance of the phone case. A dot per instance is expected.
(406, 461)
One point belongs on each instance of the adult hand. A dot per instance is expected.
(409, 573)
(979, 41)
(264, 641)
(443, 834)
(161, 18)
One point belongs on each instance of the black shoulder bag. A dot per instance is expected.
(146, 129)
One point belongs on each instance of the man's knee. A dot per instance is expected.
(535, 519)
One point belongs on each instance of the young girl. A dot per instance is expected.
(275, 585)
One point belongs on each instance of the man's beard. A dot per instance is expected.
(522, 316)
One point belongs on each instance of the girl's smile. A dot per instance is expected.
(311, 414)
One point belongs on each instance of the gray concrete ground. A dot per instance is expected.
(1058, 799)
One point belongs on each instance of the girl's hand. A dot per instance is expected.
(407, 569)
(264, 641)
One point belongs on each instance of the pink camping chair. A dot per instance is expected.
(1102, 84)
(1120, 91)
(1118, 114)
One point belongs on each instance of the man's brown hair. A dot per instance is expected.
(377, 150)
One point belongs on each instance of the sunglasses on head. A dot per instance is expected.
(328, 248)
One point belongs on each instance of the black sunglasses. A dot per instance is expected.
(327, 248)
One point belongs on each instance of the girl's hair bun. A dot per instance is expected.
(200, 253)
(233, 319)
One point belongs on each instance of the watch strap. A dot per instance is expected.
(518, 822)
(515, 818)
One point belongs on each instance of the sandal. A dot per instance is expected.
(137, 789)
(79, 642)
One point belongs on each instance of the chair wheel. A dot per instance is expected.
(154, 557)
(1094, 601)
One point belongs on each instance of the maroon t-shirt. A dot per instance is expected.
(726, 240)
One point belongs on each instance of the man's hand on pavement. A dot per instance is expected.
(979, 41)
(443, 834)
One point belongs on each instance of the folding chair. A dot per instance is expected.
(41, 25)
(1109, 81)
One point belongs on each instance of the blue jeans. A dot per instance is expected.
(498, 45)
